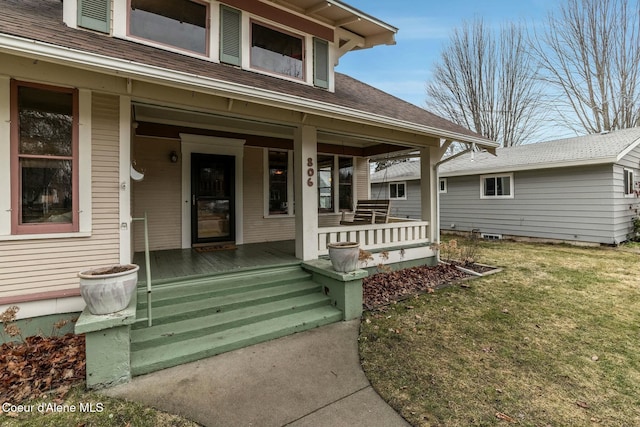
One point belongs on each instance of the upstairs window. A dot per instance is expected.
(44, 159)
(276, 51)
(496, 186)
(178, 23)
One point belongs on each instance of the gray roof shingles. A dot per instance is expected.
(41, 20)
(399, 172)
(581, 150)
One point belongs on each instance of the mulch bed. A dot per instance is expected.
(41, 366)
(384, 288)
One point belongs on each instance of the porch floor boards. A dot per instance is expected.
(180, 263)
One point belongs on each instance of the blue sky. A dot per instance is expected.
(424, 27)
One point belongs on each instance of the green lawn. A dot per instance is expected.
(552, 340)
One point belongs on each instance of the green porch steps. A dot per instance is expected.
(203, 317)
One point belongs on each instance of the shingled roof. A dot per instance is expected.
(41, 21)
(404, 171)
(577, 151)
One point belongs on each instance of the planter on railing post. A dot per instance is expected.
(344, 256)
(109, 289)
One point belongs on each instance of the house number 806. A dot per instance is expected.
(310, 171)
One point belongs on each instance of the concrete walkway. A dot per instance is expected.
(312, 378)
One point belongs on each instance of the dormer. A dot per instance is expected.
(296, 40)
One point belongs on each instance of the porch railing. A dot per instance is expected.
(374, 236)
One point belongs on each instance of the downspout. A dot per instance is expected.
(437, 175)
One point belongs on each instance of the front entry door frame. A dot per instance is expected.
(210, 145)
(210, 221)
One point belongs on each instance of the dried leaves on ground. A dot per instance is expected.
(40, 365)
(382, 288)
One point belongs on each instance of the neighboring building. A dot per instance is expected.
(231, 109)
(399, 183)
(582, 189)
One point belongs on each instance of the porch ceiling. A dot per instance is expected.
(201, 120)
(163, 121)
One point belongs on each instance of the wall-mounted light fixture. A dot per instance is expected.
(173, 156)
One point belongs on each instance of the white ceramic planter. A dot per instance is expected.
(344, 256)
(108, 292)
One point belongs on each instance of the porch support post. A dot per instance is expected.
(305, 153)
(126, 252)
(429, 157)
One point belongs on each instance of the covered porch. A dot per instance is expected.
(282, 186)
(170, 264)
(401, 238)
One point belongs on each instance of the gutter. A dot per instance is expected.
(130, 69)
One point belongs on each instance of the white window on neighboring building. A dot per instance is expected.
(443, 185)
(499, 186)
(628, 176)
(398, 190)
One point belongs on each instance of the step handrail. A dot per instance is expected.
(147, 260)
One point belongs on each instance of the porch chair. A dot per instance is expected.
(369, 212)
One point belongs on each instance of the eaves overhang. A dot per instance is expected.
(134, 70)
(340, 15)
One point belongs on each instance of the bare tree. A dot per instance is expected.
(487, 82)
(590, 52)
(383, 164)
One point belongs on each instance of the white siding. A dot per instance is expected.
(51, 265)
(567, 204)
